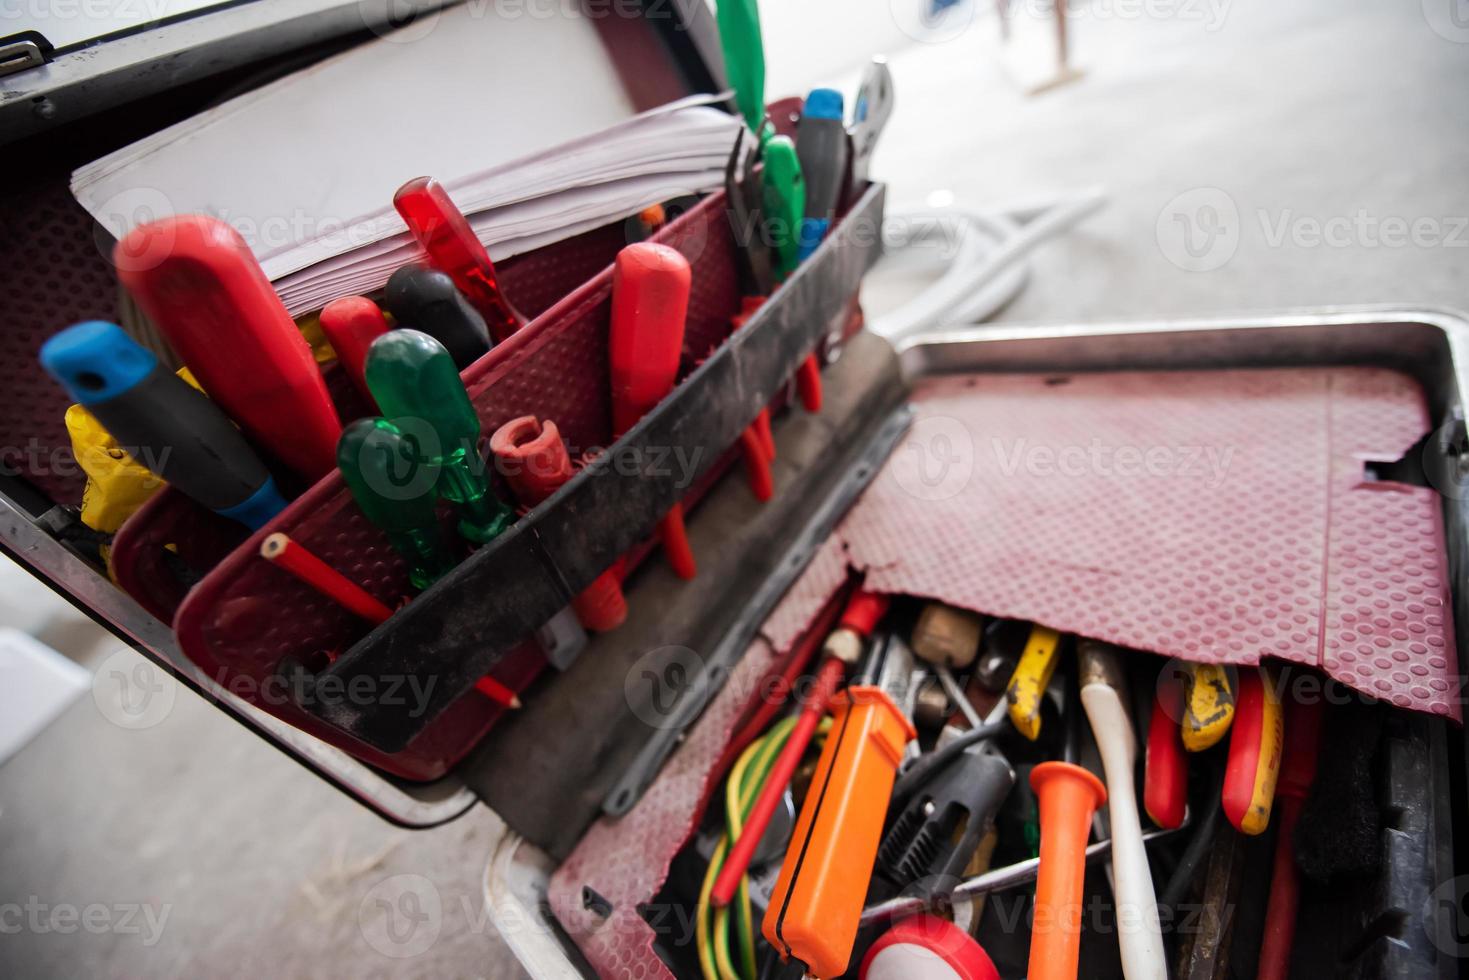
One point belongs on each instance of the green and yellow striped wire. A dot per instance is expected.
(712, 926)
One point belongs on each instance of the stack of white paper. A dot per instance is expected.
(524, 120)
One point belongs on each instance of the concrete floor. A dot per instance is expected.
(1296, 142)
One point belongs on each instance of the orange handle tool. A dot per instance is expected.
(1165, 783)
(1255, 746)
(198, 282)
(1066, 796)
(817, 903)
(842, 649)
(1297, 773)
(828, 676)
(650, 301)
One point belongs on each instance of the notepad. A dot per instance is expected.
(524, 120)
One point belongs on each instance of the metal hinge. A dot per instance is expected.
(19, 56)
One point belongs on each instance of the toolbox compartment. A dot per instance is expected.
(1399, 921)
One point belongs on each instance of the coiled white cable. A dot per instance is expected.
(984, 269)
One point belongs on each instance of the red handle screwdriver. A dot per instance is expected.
(453, 247)
(650, 301)
(1297, 773)
(195, 278)
(351, 324)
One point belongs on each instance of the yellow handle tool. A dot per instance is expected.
(1027, 687)
(1208, 708)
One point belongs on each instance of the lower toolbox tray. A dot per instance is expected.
(1395, 924)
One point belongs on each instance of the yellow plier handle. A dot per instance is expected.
(1028, 684)
(1208, 709)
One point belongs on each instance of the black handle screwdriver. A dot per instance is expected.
(169, 427)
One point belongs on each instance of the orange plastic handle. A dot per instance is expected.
(817, 903)
(1067, 796)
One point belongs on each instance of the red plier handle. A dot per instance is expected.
(1165, 782)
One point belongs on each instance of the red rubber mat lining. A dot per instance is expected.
(1220, 516)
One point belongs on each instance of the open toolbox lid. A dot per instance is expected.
(66, 64)
(670, 52)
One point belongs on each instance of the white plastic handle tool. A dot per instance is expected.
(1104, 695)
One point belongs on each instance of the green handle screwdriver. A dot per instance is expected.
(784, 202)
(744, 57)
(416, 385)
(784, 188)
(397, 494)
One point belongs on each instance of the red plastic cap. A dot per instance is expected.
(532, 458)
(198, 282)
(863, 611)
(534, 461)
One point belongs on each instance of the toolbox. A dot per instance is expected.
(1391, 923)
(205, 607)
